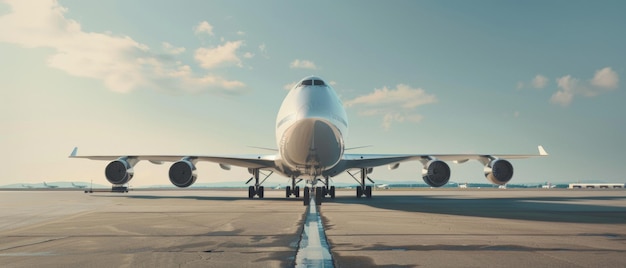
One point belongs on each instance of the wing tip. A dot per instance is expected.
(74, 152)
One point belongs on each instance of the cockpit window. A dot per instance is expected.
(312, 82)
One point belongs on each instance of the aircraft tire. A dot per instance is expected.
(297, 191)
(261, 192)
(368, 191)
(288, 191)
(319, 193)
(251, 192)
(359, 192)
(332, 192)
(307, 196)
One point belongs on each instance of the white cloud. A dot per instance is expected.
(213, 57)
(290, 85)
(605, 78)
(263, 50)
(603, 81)
(539, 81)
(403, 95)
(203, 27)
(248, 55)
(394, 105)
(302, 64)
(568, 86)
(120, 62)
(563, 98)
(171, 49)
(241, 33)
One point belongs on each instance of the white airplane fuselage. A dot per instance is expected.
(310, 130)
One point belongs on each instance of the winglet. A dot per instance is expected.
(542, 151)
(74, 152)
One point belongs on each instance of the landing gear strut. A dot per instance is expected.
(362, 189)
(257, 189)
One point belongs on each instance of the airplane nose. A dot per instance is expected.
(312, 144)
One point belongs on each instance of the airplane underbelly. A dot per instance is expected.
(311, 146)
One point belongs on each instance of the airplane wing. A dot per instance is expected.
(246, 161)
(374, 160)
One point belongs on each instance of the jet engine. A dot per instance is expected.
(183, 173)
(119, 172)
(436, 173)
(499, 171)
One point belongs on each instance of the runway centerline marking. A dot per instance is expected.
(313, 250)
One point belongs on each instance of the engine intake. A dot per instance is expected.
(499, 171)
(436, 173)
(119, 172)
(183, 173)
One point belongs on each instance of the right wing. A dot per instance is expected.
(374, 160)
(246, 161)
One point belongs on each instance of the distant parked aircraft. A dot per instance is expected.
(382, 186)
(49, 186)
(27, 186)
(79, 186)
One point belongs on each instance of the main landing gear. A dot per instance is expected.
(317, 192)
(328, 190)
(257, 189)
(293, 189)
(362, 189)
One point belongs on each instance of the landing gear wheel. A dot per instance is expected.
(261, 190)
(251, 192)
(307, 196)
(359, 192)
(368, 191)
(332, 192)
(288, 191)
(297, 191)
(319, 193)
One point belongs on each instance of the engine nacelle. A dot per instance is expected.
(183, 173)
(436, 173)
(119, 172)
(499, 171)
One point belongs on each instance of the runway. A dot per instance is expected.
(425, 228)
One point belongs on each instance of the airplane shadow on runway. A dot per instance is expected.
(548, 209)
(203, 197)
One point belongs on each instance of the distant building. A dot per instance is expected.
(596, 185)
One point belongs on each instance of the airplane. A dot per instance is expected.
(49, 186)
(383, 186)
(27, 186)
(79, 186)
(311, 127)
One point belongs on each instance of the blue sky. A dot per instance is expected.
(207, 77)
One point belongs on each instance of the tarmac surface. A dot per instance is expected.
(408, 228)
